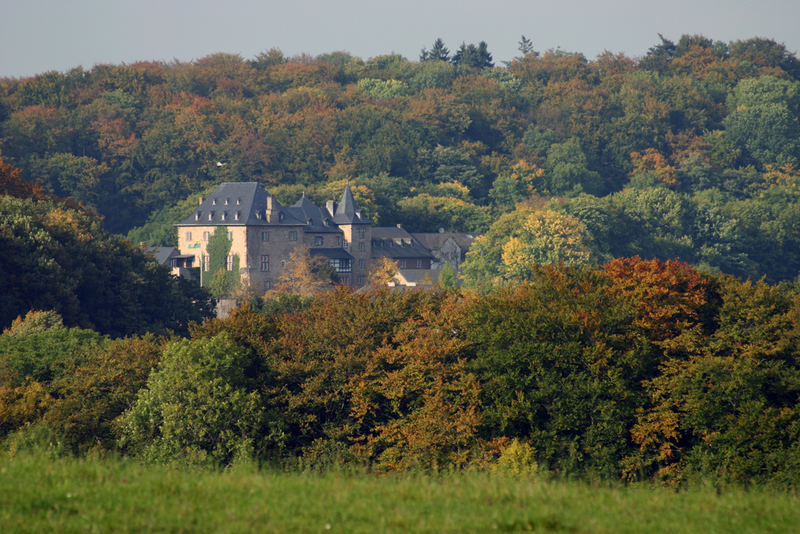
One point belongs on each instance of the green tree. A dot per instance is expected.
(199, 406)
(764, 119)
(438, 52)
(472, 56)
(447, 277)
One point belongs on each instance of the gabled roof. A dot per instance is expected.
(239, 204)
(163, 254)
(346, 211)
(317, 220)
(436, 240)
(396, 242)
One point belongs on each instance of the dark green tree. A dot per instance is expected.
(472, 56)
(438, 52)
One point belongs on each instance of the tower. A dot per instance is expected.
(357, 231)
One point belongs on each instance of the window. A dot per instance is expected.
(237, 215)
(230, 236)
(197, 215)
(404, 263)
(341, 265)
(338, 241)
(293, 235)
(318, 241)
(419, 263)
(264, 236)
(213, 201)
(264, 263)
(229, 263)
(361, 233)
(226, 201)
(283, 264)
(205, 236)
(188, 236)
(361, 264)
(362, 245)
(224, 215)
(267, 285)
(211, 216)
(205, 263)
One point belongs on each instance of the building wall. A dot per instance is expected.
(248, 244)
(358, 242)
(278, 249)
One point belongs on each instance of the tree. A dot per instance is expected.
(438, 52)
(471, 56)
(382, 271)
(526, 47)
(305, 274)
(447, 277)
(55, 257)
(199, 406)
(763, 120)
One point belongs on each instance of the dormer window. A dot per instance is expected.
(213, 201)
(226, 201)
(236, 216)
(238, 201)
(211, 216)
(280, 216)
(198, 215)
(258, 215)
(224, 215)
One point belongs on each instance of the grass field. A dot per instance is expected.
(39, 493)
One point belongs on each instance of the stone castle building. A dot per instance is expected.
(263, 234)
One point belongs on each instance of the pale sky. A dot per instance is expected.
(41, 35)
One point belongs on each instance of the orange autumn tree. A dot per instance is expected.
(420, 380)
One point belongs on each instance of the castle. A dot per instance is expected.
(263, 234)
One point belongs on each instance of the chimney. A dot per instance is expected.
(201, 201)
(399, 225)
(270, 207)
(330, 205)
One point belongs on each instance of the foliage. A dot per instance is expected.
(225, 277)
(57, 257)
(198, 406)
(305, 274)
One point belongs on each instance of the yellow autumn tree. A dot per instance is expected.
(548, 237)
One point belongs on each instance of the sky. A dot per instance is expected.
(41, 35)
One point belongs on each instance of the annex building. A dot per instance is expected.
(264, 233)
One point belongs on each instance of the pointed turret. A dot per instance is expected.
(346, 211)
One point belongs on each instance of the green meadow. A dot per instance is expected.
(43, 493)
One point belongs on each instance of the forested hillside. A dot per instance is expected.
(691, 151)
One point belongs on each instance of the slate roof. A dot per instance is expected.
(395, 242)
(163, 254)
(239, 204)
(435, 241)
(317, 219)
(347, 211)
